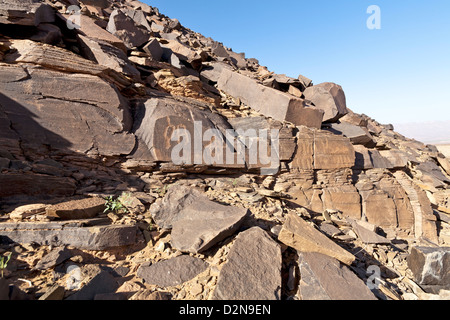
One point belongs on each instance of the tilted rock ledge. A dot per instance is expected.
(95, 206)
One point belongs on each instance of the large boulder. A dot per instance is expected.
(330, 98)
(126, 29)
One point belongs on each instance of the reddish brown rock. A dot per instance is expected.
(253, 269)
(345, 199)
(324, 278)
(379, 209)
(126, 29)
(322, 150)
(77, 209)
(270, 102)
(197, 223)
(330, 98)
(88, 115)
(298, 234)
(172, 272)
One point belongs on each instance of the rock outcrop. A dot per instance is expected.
(142, 160)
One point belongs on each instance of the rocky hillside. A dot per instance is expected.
(140, 160)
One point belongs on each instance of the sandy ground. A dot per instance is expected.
(444, 149)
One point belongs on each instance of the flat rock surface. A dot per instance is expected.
(197, 223)
(172, 272)
(253, 270)
(430, 266)
(325, 278)
(77, 209)
(298, 234)
(57, 234)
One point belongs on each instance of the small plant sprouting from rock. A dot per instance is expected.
(114, 205)
(3, 263)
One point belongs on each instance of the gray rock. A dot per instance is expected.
(70, 234)
(139, 17)
(101, 283)
(253, 269)
(172, 272)
(432, 172)
(53, 258)
(25, 12)
(356, 134)
(430, 266)
(197, 223)
(367, 236)
(330, 98)
(107, 55)
(55, 293)
(153, 48)
(325, 278)
(126, 29)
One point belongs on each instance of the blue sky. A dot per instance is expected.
(398, 74)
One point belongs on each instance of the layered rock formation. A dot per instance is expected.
(118, 99)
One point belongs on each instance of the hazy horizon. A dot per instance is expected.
(431, 132)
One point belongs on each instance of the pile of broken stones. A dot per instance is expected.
(93, 207)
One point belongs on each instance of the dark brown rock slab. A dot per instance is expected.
(55, 257)
(77, 209)
(171, 130)
(70, 233)
(87, 116)
(253, 269)
(325, 278)
(99, 281)
(172, 272)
